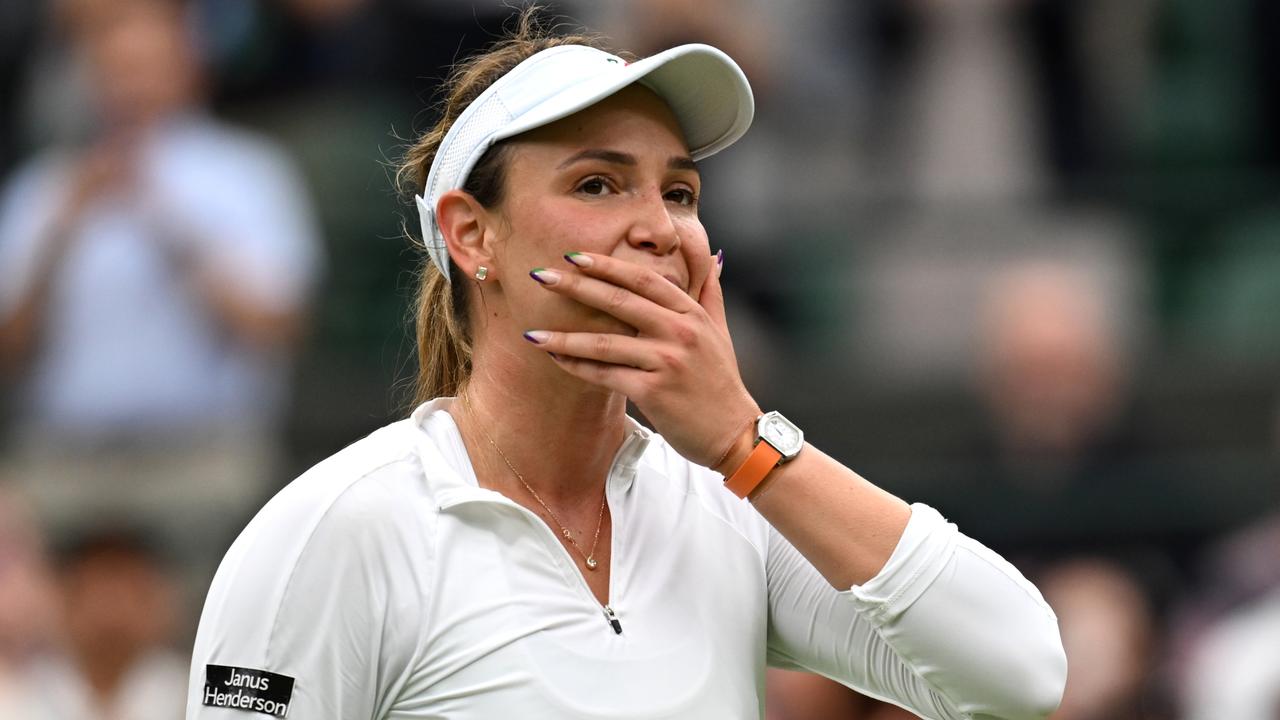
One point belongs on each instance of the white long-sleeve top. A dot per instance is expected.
(385, 583)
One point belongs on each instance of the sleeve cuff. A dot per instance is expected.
(924, 549)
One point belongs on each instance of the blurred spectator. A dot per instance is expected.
(28, 622)
(153, 285)
(1054, 375)
(1223, 649)
(120, 612)
(1107, 629)
(1235, 672)
(1056, 443)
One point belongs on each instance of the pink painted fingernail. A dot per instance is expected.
(577, 258)
(719, 262)
(545, 276)
(537, 337)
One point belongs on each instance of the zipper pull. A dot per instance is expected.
(612, 617)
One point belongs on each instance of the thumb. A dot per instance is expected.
(712, 296)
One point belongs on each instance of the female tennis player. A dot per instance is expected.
(518, 547)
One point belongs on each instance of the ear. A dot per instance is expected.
(467, 227)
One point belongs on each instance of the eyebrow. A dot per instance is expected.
(678, 162)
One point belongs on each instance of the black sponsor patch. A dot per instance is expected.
(247, 689)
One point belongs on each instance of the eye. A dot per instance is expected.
(595, 185)
(683, 196)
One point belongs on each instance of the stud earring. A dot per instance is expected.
(482, 272)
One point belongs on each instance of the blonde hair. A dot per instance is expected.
(443, 328)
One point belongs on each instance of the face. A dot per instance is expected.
(142, 63)
(614, 179)
(116, 604)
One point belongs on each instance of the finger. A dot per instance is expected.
(643, 281)
(618, 378)
(712, 296)
(621, 303)
(609, 348)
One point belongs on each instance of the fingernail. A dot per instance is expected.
(537, 337)
(553, 355)
(577, 258)
(545, 276)
(719, 262)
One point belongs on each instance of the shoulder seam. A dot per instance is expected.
(288, 585)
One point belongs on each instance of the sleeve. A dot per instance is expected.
(948, 629)
(320, 624)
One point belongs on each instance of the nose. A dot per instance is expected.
(652, 229)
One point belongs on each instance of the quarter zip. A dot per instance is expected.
(609, 613)
(627, 453)
(499, 499)
(612, 617)
(616, 521)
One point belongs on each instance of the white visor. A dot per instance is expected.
(705, 89)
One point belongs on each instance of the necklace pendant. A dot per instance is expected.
(591, 563)
(567, 534)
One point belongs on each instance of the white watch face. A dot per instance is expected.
(781, 433)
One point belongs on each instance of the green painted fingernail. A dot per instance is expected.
(579, 259)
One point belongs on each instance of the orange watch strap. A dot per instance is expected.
(763, 458)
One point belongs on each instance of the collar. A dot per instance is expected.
(452, 479)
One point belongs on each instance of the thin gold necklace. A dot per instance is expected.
(590, 556)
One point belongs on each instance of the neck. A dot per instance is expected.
(558, 432)
(105, 671)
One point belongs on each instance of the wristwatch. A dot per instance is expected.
(778, 440)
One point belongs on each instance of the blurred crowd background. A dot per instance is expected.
(1019, 259)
